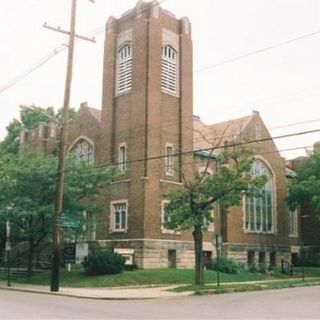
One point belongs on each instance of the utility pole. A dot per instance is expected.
(55, 267)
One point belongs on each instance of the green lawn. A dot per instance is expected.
(143, 277)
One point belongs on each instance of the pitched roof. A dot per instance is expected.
(96, 113)
(206, 136)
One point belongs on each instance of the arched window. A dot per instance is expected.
(169, 69)
(124, 68)
(259, 210)
(84, 150)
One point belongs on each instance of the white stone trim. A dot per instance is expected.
(171, 182)
(112, 228)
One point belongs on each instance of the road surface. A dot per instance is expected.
(297, 303)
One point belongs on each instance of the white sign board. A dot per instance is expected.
(81, 251)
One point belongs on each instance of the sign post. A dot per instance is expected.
(8, 249)
(218, 242)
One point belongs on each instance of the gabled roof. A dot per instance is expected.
(206, 136)
(230, 130)
(96, 113)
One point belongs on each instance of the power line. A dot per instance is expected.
(294, 124)
(258, 51)
(227, 61)
(57, 50)
(210, 149)
(36, 66)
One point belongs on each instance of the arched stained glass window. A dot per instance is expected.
(84, 151)
(259, 210)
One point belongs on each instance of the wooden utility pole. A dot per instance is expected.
(55, 267)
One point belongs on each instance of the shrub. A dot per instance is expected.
(227, 265)
(103, 262)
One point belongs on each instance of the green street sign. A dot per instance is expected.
(68, 222)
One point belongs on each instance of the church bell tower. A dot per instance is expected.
(147, 119)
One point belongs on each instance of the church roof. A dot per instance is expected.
(206, 136)
(95, 112)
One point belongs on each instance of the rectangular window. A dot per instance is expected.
(169, 164)
(122, 158)
(165, 217)
(119, 216)
(208, 225)
(293, 223)
(89, 227)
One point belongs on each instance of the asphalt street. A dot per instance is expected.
(296, 303)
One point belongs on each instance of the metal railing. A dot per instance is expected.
(286, 268)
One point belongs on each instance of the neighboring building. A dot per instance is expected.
(147, 129)
(310, 224)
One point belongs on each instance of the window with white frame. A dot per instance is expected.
(169, 160)
(124, 68)
(122, 158)
(208, 225)
(119, 216)
(84, 151)
(89, 226)
(293, 223)
(259, 211)
(169, 67)
(165, 217)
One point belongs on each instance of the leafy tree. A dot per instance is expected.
(30, 118)
(27, 188)
(10, 143)
(306, 186)
(190, 207)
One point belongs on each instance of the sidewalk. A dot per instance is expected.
(127, 293)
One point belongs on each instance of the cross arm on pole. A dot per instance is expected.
(58, 29)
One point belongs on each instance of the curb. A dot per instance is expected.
(71, 295)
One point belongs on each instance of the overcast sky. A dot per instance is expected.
(283, 84)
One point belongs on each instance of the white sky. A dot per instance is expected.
(283, 84)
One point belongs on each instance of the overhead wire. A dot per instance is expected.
(176, 154)
(57, 50)
(258, 51)
(99, 30)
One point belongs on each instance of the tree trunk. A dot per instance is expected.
(197, 237)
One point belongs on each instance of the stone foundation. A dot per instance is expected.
(151, 253)
(158, 253)
(270, 256)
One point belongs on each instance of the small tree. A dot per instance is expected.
(190, 206)
(306, 186)
(27, 187)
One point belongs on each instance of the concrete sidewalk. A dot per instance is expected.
(118, 293)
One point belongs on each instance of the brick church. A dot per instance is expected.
(147, 129)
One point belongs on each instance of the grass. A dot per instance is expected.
(148, 277)
(183, 277)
